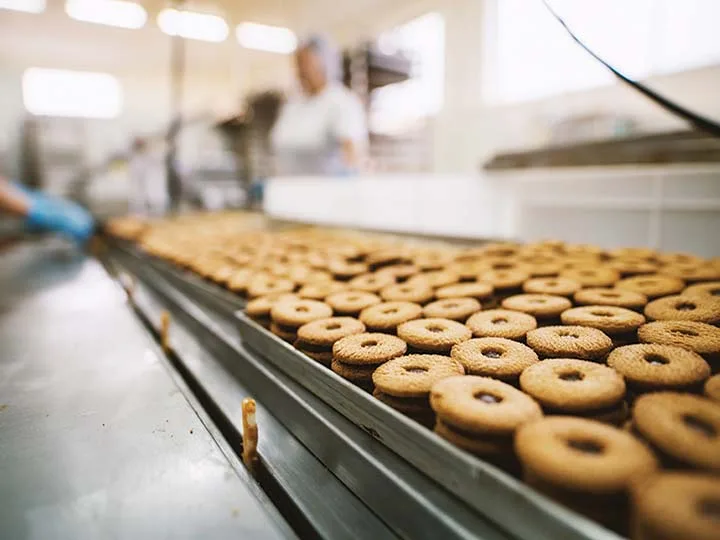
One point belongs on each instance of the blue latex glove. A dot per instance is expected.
(48, 213)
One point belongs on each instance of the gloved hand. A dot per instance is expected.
(48, 213)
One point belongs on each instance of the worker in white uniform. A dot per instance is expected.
(321, 131)
(148, 185)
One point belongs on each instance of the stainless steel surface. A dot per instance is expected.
(407, 501)
(96, 440)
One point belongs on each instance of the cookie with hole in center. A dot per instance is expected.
(259, 308)
(501, 323)
(351, 302)
(475, 290)
(264, 285)
(371, 282)
(693, 273)
(493, 357)
(368, 349)
(433, 335)
(504, 280)
(435, 278)
(653, 285)
(419, 293)
(386, 317)
(704, 309)
(570, 342)
(295, 313)
(569, 386)
(592, 276)
(325, 332)
(586, 465)
(540, 306)
(321, 289)
(611, 297)
(414, 375)
(648, 367)
(711, 288)
(481, 405)
(456, 309)
(683, 427)
(558, 286)
(609, 319)
(701, 338)
(676, 505)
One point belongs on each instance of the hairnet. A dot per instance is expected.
(328, 53)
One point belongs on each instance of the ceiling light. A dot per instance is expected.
(263, 37)
(108, 12)
(26, 6)
(193, 25)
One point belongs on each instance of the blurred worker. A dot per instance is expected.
(148, 185)
(323, 130)
(46, 213)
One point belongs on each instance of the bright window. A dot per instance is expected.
(79, 94)
(27, 6)
(531, 56)
(398, 107)
(262, 37)
(108, 12)
(193, 25)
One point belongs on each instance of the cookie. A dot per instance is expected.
(581, 455)
(321, 357)
(419, 293)
(482, 405)
(609, 319)
(371, 282)
(694, 273)
(481, 446)
(264, 285)
(321, 289)
(475, 290)
(701, 338)
(649, 367)
(295, 313)
(400, 272)
(682, 426)
(351, 302)
(456, 309)
(540, 306)
(498, 358)
(385, 317)
(633, 253)
(711, 288)
(325, 332)
(712, 388)
(678, 258)
(433, 335)
(504, 280)
(368, 349)
(611, 297)
(259, 308)
(703, 309)
(284, 333)
(592, 276)
(386, 257)
(551, 285)
(616, 415)
(563, 385)
(633, 267)
(415, 406)
(578, 342)
(676, 505)
(501, 323)
(432, 260)
(435, 278)
(354, 373)
(652, 286)
(343, 270)
(546, 268)
(414, 375)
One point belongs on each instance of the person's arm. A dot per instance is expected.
(46, 213)
(350, 128)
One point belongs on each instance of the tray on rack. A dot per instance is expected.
(518, 508)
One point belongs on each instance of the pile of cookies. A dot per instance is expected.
(594, 375)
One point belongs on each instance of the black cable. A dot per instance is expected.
(697, 121)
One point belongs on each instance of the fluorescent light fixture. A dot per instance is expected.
(193, 25)
(26, 6)
(263, 37)
(76, 94)
(108, 12)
